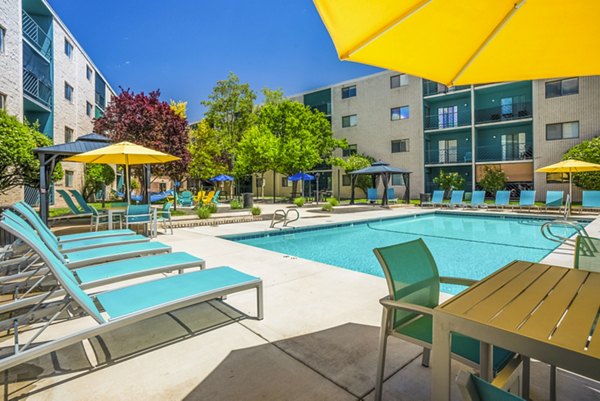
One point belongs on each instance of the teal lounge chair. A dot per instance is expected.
(185, 198)
(477, 200)
(127, 305)
(554, 200)
(76, 212)
(372, 195)
(414, 289)
(436, 200)
(456, 200)
(35, 221)
(502, 199)
(81, 244)
(93, 256)
(473, 388)
(80, 200)
(527, 199)
(590, 200)
(391, 195)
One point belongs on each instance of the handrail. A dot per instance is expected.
(552, 236)
(287, 220)
(281, 216)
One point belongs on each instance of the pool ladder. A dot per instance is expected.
(552, 236)
(282, 217)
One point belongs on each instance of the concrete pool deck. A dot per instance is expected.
(318, 340)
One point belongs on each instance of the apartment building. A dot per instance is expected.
(47, 77)
(427, 127)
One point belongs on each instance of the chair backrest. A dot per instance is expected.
(138, 213)
(502, 198)
(59, 270)
(591, 199)
(200, 195)
(372, 194)
(411, 274)
(391, 194)
(478, 198)
(437, 197)
(457, 197)
(215, 197)
(79, 198)
(165, 210)
(69, 201)
(587, 253)
(554, 198)
(33, 219)
(527, 198)
(208, 196)
(186, 195)
(473, 388)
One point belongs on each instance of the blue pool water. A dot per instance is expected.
(463, 246)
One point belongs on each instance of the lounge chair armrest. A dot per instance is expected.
(467, 282)
(389, 303)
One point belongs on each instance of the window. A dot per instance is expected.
(2, 101)
(448, 117)
(562, 131)
(68, 92)
(448, 151)
(506, 107)
(563, 87)
(88, 109)
(68, 135)
(69, 179)
(400, 146)
(348, 91)
(514, 146)
(399, 113)
(350, 150)
(88, 72)
(349, 121)
(2, 36)
(397, 81)
(557, 178)
(68, 49)
(285, 182)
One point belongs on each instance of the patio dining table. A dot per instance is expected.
(120, 212)
(544, 312)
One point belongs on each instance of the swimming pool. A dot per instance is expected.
(462, 245)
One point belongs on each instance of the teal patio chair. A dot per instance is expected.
(372, 195)
(126, 305)
(140, 214)
(502, 199)
(215, 198)
(477, 200)
(473, 388)
(81, 200)
(437, 199)
(456, 199)
(590, 200)
(554, 200)
(35, 221)
(185, 198)
(527, 199)
(391, 195)
(164, 216)
(414, 289)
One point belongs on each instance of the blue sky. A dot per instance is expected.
(183, 47)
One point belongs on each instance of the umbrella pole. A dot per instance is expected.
(570, 200)
(127, 194)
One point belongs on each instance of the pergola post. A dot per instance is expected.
(46, 168)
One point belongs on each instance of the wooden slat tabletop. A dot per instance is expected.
(556, 305)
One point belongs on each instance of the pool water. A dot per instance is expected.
(463, 246)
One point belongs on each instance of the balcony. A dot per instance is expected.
(37, 89)
(446, 121)
(37, 37)
(100, 101)
(500, 113)
(434, 88)
(503, 153)
(449, 156)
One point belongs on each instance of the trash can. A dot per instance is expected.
(424, 197)
(248, 200)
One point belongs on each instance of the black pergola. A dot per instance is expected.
(385, 171)
(50, 155)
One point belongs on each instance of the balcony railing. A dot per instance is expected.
(100, 101)
(323, 108)
(499, 113)
(37, 36)
(504, 153)
(450, 120)
(434, 88)
(36, 88)
(449, 156)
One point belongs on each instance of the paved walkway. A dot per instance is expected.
(318, 340)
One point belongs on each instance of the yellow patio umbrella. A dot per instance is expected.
(126, 153)
(570, 166)
(468, 41)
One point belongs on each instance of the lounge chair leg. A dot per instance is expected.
(552, 383)
(259, 301)
(525, 378)
(382, 351)
(426, 356)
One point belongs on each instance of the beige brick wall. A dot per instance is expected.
(11, 60)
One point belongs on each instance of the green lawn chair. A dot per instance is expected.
(414, 289)
(123, 306)
(473, 388)
(186, 198)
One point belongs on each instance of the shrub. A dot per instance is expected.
(235, 204)
(212, 207)
(449, 181)
(333, 201)
(299, 202)
(328, 207)
(204, 212)
(256, 211)
(493, 179)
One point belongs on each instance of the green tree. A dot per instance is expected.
(179, 108)
(229, 113)
(257, 153)
(449, 181)
(95, 177)
(18, 164)
(587, 151)
(353, 163)
(206, 160)
(493, 179)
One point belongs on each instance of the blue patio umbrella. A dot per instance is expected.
(301, 177)
(222, 178)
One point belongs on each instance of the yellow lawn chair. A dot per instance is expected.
(208, 197)
(198, 198)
